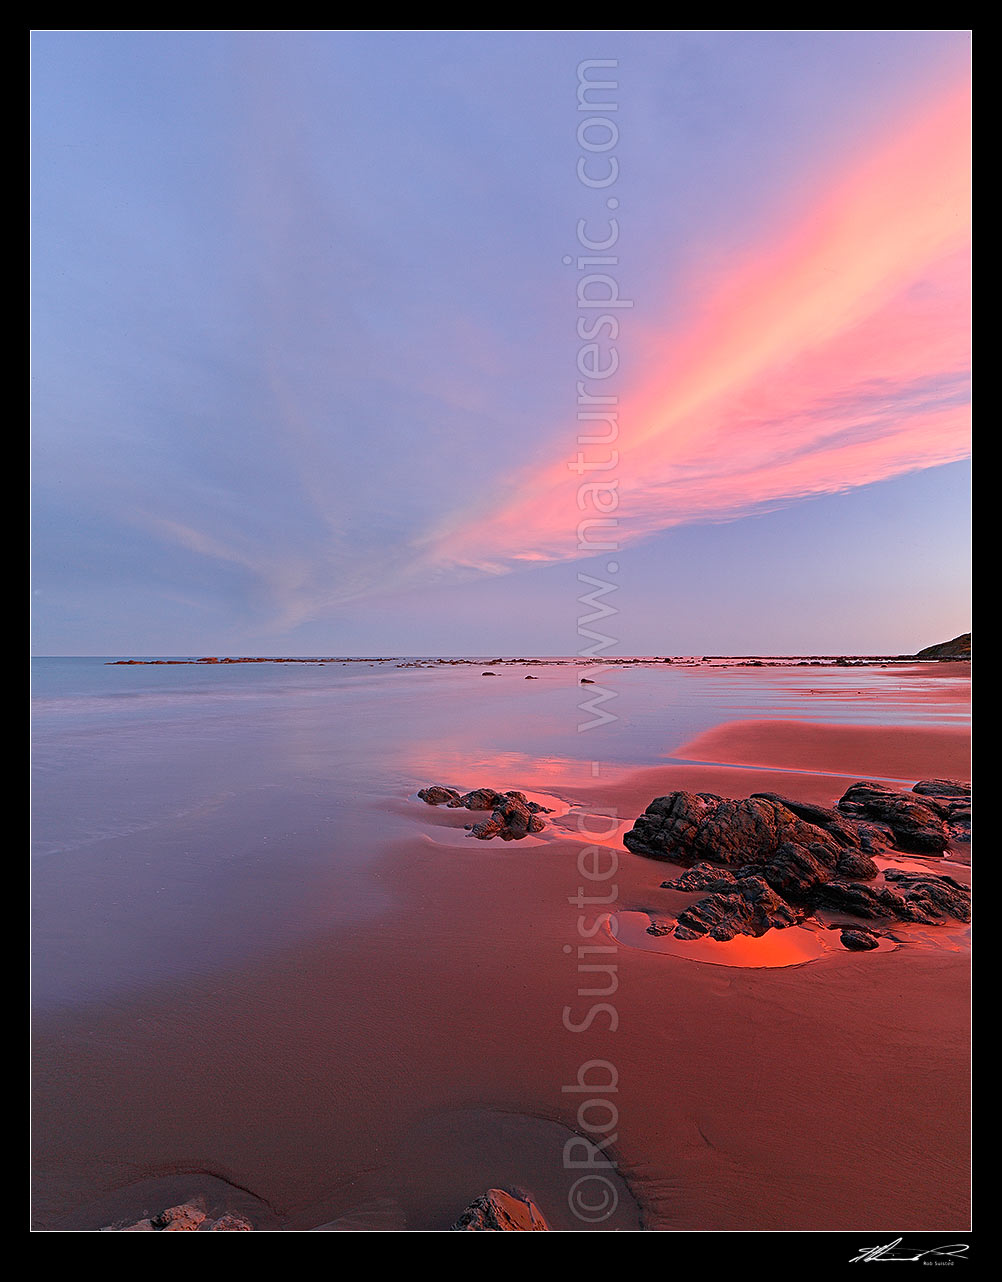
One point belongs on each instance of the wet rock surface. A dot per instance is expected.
(497, 1211)
(186, 1218)
(513, 815)
(770, 862)
(859, 941)
(751, 908)
(685, 827)
(916, 823)
(501, 1212)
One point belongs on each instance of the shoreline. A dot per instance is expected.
(716, 661)
(289, 1090)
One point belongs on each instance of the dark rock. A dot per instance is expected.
(826, 817)
(512, 820)
(438, 796)
(859, 941)
(951, 799)
(916, 826)
(874, 837)
(701, 877)
(872, 902)
(768, 861)
(931, 898)
(942, 788)
(751, 908)
(685, 827)
(793, 870)
(533, 807)
(501, 1212)
(513, 815)
(855, 865)
(958, 648)
(480, 799)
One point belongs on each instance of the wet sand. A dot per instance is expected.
(907, 754)
(386, 1076)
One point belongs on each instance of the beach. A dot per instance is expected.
(268, 977)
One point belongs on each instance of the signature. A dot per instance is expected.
(878, 1254)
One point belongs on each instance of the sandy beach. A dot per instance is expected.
(384, 1073)
(500, 633)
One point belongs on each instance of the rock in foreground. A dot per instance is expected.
(769, 862)
(186, 1218)
(501, 1212)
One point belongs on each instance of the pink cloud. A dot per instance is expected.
(832, 357)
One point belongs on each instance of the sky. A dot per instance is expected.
(500, 342)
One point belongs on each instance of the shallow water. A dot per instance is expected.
(189, 821)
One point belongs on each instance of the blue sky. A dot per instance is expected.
(305, 346)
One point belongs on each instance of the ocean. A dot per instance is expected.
(199, 829)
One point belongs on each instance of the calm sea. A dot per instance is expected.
(182, 815)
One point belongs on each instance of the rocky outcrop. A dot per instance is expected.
(915, 822)
(951, 800)
(685, 827)
(513, 815)
(929, 898)
(512, 819)
(768, 862)
(498, 1211)
(501, 1212)
(958, 648)
(751, 908)
(437, 796)
(186, 1218)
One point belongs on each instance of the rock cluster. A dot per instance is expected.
(769, 861)
(921, 822)
(187, 1218)
(513, 815)
(497, 1211)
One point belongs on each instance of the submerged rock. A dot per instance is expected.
(501, 1212)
